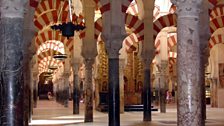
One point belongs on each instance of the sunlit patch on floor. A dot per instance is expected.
(55, 122)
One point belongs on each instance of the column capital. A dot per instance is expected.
(35, 74)
(188, 8)
(113, 44)
(12, 8)
(162, 67)
(146, 61)
(89, 63)
(66, 74)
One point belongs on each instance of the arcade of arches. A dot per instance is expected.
(131, 53)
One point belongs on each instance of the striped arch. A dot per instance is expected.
(48, 61)
(49, 52)
(49, 35)
(156, 12)
(104, 5)
(216, 24)
(130, 42)
(162, 22)
(171, 41)
(132, 9)
(52, 17)
(216, 39)
(46, 5)
(52, 45)
(212, 3)
(126, 4)
(136, 25)
(132, 22)
(172, 60)
(98, 27)
(173, 9)
(217, 12)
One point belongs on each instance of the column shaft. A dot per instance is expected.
(147, 115)
(88, 91)
(114, 93)
(76, 91)
(26, 73)
(163, 86)
(214, 89)
(35, 93)
(188, 64)
(66, 90)
(11, 71)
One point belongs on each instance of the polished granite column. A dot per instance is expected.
(147, 54)
(27, 89)
(114, 88)
(88, 90)
(76, 91)
(189, 106)
(11, 42)
(147, 93)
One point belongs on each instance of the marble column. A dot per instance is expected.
(11, 43)
(76, 92)
(88, 87)
(163, 86)
(147, 93)
(121, 81)
(189, 106)
(66, 88)
(113, 87)
(147, 54)
(89, 52)
(214, 89)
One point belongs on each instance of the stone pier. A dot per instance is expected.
(11, 54)
(188, 64)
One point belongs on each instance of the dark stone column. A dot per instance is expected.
(76, 89)
(88, 90)
(35, 93)
(114, 92)
(188, 64)
(147, 115)
(1, 101)
(204, 49)
(11, 43)
(113, 45)
(27, 90)
(66, 89)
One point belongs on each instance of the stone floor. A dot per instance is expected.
(53, 114)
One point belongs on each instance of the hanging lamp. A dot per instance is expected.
(68, 28)
(59, 56)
